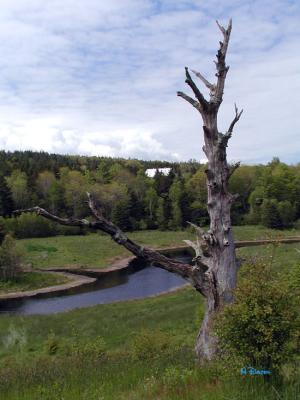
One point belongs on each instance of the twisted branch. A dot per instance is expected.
(235, 119)
(221, 66)
(102, 224)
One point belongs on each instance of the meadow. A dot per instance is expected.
(130, 350)
(98, 250)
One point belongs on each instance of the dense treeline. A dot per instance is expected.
(269, 195)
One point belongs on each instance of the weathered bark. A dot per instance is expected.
(119, 237)
(215, 266)
(215, 248)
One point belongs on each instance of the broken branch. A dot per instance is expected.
(102, 224)
(195, 89)
(235, 120)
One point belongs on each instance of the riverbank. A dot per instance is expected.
(90, 275)
(74, 281)
(80, 277)
(129, 350)
(98, 251)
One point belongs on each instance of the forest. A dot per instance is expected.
(268, 194)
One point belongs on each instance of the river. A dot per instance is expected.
(138, 281)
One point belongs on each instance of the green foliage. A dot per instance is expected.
(175, 376)
(18, 185)
(29, 225)
(149, 344)
(176, 196)
(95, 348)
(52, 344)
(160, 214)
(2, 233)
(6, 203)
(32, 374)
(31, 281)
(16, 338)
(10, 260)
(39, 247)
(259, 328)
(121, 214)
(270, 216)
(268, 195)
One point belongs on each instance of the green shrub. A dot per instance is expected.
(28, 226)
(150, 344)
(175, 376)
(260, 328)
(2, 233)
(15, 338)
(52, 344)
(95, 348)
(297, 224)
(10, 260)
(32, 225)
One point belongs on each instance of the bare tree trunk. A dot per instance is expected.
(215, 248)
(215, 268)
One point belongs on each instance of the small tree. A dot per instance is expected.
(259, 327)
(10, 262)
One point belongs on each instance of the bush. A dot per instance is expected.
(297, 224)
(10, 260)
(260, 328)
(52, 344)
(32, 225)
(2, 233)
(15, 338)
(28, 226)
(150, 344)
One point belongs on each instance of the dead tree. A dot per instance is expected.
(213, 273)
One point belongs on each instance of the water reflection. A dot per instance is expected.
(139, 281)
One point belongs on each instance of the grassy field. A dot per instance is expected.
(130, 350)
(99, 251)
(32, 281)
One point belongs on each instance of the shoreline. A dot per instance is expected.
(76, 282)
(86, 276)
(80, 277)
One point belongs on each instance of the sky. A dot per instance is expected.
(99, 77)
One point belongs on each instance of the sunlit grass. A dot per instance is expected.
(32, 281)
(100, 251)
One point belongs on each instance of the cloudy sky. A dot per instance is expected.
(99, 77)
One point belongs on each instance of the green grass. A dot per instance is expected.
(32, 281)
(99, 251)
(60, 356)
(37, 365)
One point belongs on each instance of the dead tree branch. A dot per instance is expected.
(193, 102)
(235, 120)
(195, 89)
(102, 224)
(221, 66)
(212, 88)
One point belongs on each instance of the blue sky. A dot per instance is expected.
(100, 77)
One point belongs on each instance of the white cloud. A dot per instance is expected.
(101, 77)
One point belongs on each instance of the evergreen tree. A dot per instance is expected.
(176, 197)
(160, 214)
(121, 214)
(6, 203)
(270, 216)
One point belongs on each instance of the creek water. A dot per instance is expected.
(138, 281)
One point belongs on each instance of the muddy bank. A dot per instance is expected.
(77, 281)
